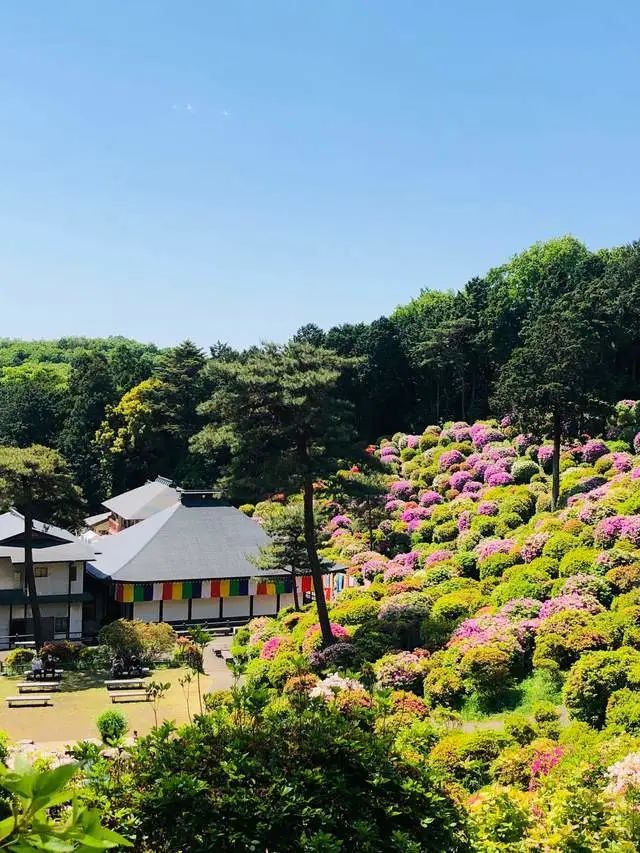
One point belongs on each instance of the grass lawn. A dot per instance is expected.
(83, 697)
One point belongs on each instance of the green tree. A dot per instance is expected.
(32, 403)
(287, 551)
(132, 440)
(553, 381)
(182, 389)
(279, 413)
(362, 492)
(92, 391)
(37, 479)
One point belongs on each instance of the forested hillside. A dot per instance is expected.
(121, 411)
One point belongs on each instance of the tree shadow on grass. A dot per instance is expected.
(74, 681)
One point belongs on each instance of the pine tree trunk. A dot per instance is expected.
(30, 578)
(314, 562)
(296, 600)
(555, 486)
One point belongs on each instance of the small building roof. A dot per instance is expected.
(12, 526)
(100, 518)
(198, 537)
(143, 502)
(50, 544)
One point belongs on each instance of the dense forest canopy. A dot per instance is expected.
(121, 411)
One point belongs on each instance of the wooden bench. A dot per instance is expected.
(38, 686)
(32, 699)
(130, 696)
(125, 684)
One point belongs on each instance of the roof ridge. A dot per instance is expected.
(169, 511)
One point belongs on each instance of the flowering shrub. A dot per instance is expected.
(450, 458)
(570, 601)
(402, 670)
(333, 684)
(543, 763)
(313, 638)
(624, 774)
(272, 646)
(593, 449)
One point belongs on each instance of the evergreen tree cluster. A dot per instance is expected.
(551, 337)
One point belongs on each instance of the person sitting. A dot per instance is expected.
(36, 667)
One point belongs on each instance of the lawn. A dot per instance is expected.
(83, 697)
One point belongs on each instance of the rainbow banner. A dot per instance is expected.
(129, 593)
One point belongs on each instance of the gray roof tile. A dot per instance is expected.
(143, 502)
(182, 542)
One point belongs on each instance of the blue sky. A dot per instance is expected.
(234, 170)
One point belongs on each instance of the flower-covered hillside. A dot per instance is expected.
(469, 598)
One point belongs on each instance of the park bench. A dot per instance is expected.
(40, 676)
(38, 686)
(32, 699)
(125, 684)
(130, 696)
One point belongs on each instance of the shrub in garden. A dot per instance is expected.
(580, 560)
(336, 656)
(355, 611)
(487, 669)
(402, 670)
(402, 616)
(594, 677)
(64, 651)
(560, 544)
(520, 728)
(313, 637)
(499, 819)
(506, 522)
(467, 756)
(129, 637)
(112, 726)
(523, 470)
(18, 658)
(623, 711)
(445, 532)
(350, 788)
(284, 666)
(457, 605)
(94, 658)
(370, 642)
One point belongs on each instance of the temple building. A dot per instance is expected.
(59, 560)
(189, 562)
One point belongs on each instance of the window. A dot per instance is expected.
(41, 571)
(73, 573)
(61, 625)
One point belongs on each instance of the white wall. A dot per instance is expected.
(4, 624)
(147, 611)
(175, 611)
(237, 605)
(205, 608)
(7, 580)
(286, 600)
(264, 605)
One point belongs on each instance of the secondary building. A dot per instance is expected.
(129, 508)
(189, 562)
(59, 560)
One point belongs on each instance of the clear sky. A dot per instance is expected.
(232, 170)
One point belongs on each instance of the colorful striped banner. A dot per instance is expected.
(128, 593)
